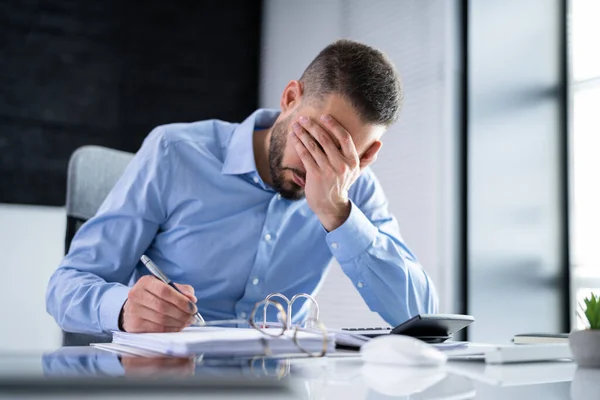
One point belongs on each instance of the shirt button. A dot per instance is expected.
(267, 237)
(278, 197)
(334, 245)
(255, 179)
(360, 284)
(243, 314)
(255, 281)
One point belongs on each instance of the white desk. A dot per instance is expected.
(326, 378)
(350, 378)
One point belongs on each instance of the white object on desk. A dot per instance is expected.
(526, 353)
(502, 354)
(450, 345)
(401, 350)
(348, 338)
(537, 338)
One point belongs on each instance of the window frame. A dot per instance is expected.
(583, 277)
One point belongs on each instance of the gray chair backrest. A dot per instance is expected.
(92, 173)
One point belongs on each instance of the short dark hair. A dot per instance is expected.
(364, 76)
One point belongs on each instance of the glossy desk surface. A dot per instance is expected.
(77, 372)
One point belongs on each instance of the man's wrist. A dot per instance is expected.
(334, 219)
(111, 305)
(353, 237)
(121, 327)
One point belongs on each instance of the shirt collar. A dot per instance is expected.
(240, 150)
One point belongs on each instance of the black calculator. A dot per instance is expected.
(430, 328)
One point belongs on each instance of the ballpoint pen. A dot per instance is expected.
(160, 275)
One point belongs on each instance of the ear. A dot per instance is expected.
(370, 155)
(292, 94)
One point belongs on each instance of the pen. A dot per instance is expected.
(160, 275)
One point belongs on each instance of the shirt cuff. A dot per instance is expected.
(110, 307)
(353, 237)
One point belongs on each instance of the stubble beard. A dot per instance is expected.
(286, 188)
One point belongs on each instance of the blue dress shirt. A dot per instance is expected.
(192, 200)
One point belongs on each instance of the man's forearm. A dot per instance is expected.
(382, 268)
(84, 303)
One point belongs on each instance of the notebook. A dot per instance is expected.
(531, 338)
(212, 341)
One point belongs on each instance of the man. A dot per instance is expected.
(234, 212)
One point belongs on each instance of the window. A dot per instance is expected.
(584, 83)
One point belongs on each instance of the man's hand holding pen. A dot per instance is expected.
(154, 306)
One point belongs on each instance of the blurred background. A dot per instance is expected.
(491, 170)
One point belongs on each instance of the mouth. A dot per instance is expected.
(298, 180)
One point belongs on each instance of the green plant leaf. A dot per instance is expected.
(592, 310)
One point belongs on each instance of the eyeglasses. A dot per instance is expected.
(302, 334)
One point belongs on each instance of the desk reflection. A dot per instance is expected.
(159, 366)
(586, 384)
(415, 383)
(83, 362)
(337, 377)
(315, 378)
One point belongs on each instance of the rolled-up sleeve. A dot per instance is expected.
(372, 253)
(87, 291)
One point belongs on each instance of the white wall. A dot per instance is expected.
(418, 163)
(31, 245)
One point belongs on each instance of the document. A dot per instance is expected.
(212, 341)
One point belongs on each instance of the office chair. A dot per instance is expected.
(92, 173)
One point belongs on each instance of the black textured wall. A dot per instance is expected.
(106, 72)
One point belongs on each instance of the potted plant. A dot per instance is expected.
(585, 344)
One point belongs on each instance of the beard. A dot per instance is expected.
(288, 189)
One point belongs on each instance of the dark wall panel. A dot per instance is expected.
(80, 72)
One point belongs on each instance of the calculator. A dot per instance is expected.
(430, 328)
(369, 332)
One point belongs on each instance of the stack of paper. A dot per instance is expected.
(221, 342)
(348, 339)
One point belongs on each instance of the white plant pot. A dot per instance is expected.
(585, 346)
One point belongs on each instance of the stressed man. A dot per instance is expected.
(234, 212)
